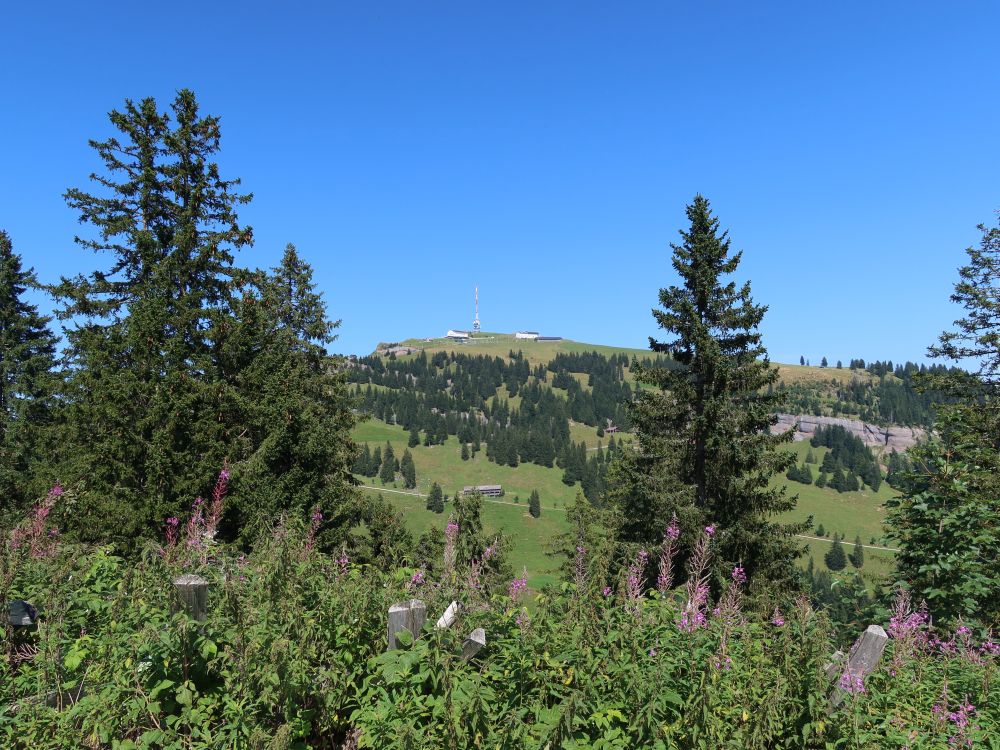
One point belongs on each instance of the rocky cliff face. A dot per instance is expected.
(893, 437)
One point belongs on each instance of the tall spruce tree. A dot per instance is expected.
(147, 402)
(387, 473)
(534, 504)
(408, 469)
(291, 398)
(704, 427)
(28, 383)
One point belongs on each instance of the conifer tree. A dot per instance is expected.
(435, 499)
(465, 451)
(27, 383)
(534, 504)
(408, 470)
(945, 522)
(293, 404)
(835, 558)
(387, 473)
(857, 556)
(704, 429)
(154, 436)
(414, 439)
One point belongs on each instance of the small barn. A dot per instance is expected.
(489, 490)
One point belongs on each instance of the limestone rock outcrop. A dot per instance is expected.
(892, 437)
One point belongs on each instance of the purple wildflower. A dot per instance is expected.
(665, 575)
(739, 575)
(777, 619)
(517, 586)
(852, 683)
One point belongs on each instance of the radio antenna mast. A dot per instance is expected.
(475, 323)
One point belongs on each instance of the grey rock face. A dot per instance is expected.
(893, 437)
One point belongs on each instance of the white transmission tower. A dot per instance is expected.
(475, 323)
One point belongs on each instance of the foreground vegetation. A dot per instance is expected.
(292, 654)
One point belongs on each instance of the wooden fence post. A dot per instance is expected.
(193, 593)
(406, 616)
(863, 658)
(22, 614)
(474, 643)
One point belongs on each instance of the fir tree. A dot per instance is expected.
(27, 386)
(414, 439)
(465, 451)
(534, 504)
(857, 556)
(835, 558)
(435, 499)
(154, 436)
(820, 530)
(945, 522)
(387, 473)
(706, 424)
(292, 403)
(408, 470)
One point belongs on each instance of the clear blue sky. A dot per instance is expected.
(546, 150)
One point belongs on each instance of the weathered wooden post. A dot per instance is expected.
(446, 620)
(864, 657)
(474, 643)
(22, 614)
(409, 616)
(192, 591)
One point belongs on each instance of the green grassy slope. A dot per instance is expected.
(848, 514)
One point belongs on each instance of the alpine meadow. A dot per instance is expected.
(220, 531)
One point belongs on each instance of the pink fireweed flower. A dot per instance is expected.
(665, 574)
(523, 621)
(696, 589)
(417, 579)
(606, 591)
(710, 529)
(32, 534)
(171, 532)
(517, 586)
(674, 529)
(777, 619)
(315, 521)
(489, 552)
(214, 513)
(739, 575)
(195, 524)
(450, 539)
(907, 628)
(633, 580)
(342, 564)
(852, 683)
